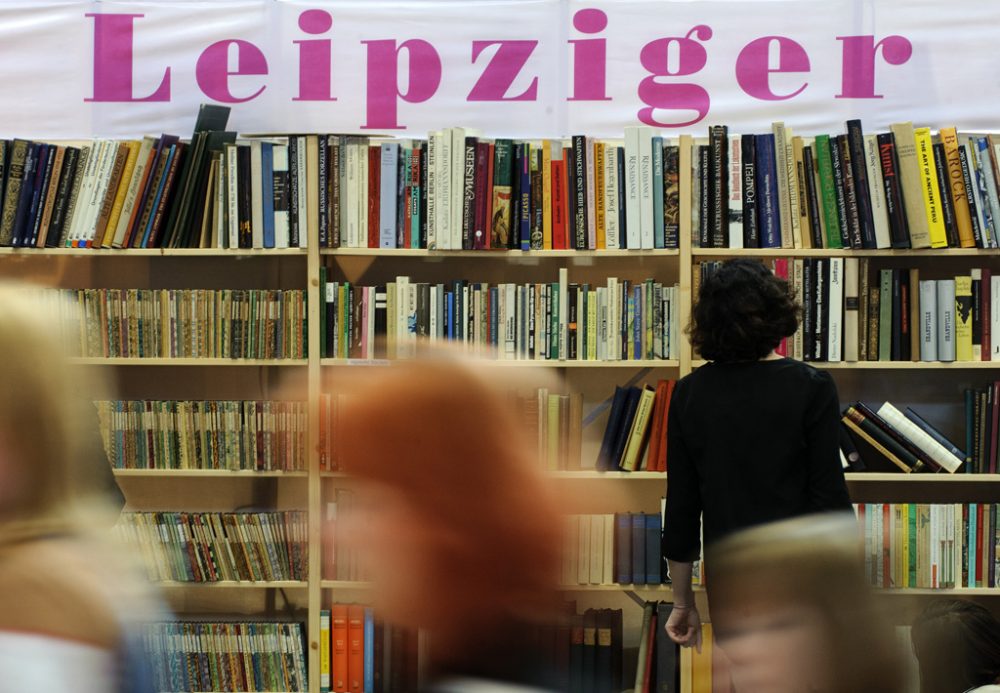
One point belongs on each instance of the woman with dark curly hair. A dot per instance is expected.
(957, 644)
(751, 437)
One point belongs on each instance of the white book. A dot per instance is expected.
(976, 275)
(928, 320)
(735, 192)
(794, 202)
(457, 186)
(781, 147)
(433, 140)
(919, 438)
(609, 550)
(349, 194)
(219, 229)
(279, 160)
(132, 191)
(852, 308)
(994, 318)
(572, 522)
(646, 224)
(257, 194)
(361, 184)
(835, 334)
(946, 319)
(876, 192)
(232, 196)
(563, 312)
(596, 549)
(583, 549)
(83, 196)
(401, 305)
(633, 219)
(612, 238)
(434, 324)
(591, 211)
(444, 156)
(97, 183)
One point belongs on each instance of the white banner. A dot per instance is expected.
(507, 67)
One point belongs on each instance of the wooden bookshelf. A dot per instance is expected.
(186, 362)
(929, 253)
(154, 252)
(525, 363)
(206, 474)
(505, 255)
(346, 585)
(232, 584)
(894, 365)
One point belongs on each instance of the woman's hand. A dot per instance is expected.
(684, 626)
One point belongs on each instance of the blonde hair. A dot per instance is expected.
(44, 417)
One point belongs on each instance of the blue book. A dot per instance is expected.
(267, 186)
(387, 195)
(38, 195)
(418, 155)
(621, 439)
(767, 193)
(639, 549)
(659, 240)
(654, 560)
(494, 294)
(27, 190)
(156, 197)
(638, 315)
(623, 548)
(604, 462)
(369, 680)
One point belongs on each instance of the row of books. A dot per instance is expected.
(930, 546)
(637, 425)
(227, 656)
(982, 428)
(237, 435)
(904, 438)
(624, 320)
(176, 323)
(555, 420)
(213, 547)
(906, 188)
(361, 652)
(608, 549)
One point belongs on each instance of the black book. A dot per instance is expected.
(718, 150)
(671, 196)
(514, 237)
(190, 222)
(873, 428)
(809, 307)
(589, 650)
(947, 201)
(5, 147)
(211, 117)
(423, 198)
(822, 350)
(180, 201)
(404, 182)
(837, 164)
(850, 451)
(293, 192)
(851, 193)
(704, 197)
(603, 660)
(243, 201)
(667, 654)
(323, 190)
(622, 226)
(423, 309)
(26, 193)
(621, 438)
(381, 321)
(812, 198)
(914, 456)
(469, 190)
(70, 160)
(751, 224)
(524, 191)
(970, 196)
(616, 649)
(43, 175)
(899, 233)
(896, 350)
(579, 193)
(572, 325)
(576, 653)
(859, 171)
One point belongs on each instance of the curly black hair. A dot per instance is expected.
(743, 312)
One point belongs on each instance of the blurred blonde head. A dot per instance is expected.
(463, 529)
(792, 610)
(43, 400)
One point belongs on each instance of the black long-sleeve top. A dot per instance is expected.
(749, 443)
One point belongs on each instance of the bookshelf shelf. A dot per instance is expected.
(616, 588)
(229, 584)
(955, 592)
(495, 254)
(605, 476)
(894, 365)
(154, 252)
(206, 473)
(923, 479)
(498, 363)
(199, 362)
(825, 252)
(346, 585)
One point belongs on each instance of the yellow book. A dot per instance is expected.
(324, 649)
(930, 189)
(963, 214)
(701, 663)
(686, 667)
(638, 432)
(599, 154)
(547, 194)
(123, 186)
(798, 146)
(963, 318)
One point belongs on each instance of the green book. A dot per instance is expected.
(828, 190)
(885, 316)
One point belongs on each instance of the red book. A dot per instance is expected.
(781, 270)
(407, 232)
(338, 643)
(355, 649)
(491, 152)
(479, 228)
(886, 563)
(650, 651)
(374, 185)
(658, 427)
(559, 204)
(984, 311)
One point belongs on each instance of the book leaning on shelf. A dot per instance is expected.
(905, 188)
(635, 438)
(905, 440)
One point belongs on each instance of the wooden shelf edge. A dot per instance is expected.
(496, 254)
(526, 363)
(892, 477)
(199, 362)
(943, 592)
(826, 252)
(207, 473)
(346, 585)
(616, 588)
(892, 365)
(277, 584)
(155, 252)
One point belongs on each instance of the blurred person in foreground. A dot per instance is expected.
(462, 536)
(957, 645)
(792, 611)
(752, 437)
(68, 603)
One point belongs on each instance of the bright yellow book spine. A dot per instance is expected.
(929, 187)
(702, 662)
(963, 318)
(324, 650)
(599, 211)
(963, 214)
(547, 194)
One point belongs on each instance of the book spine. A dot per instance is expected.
(928, 320)
(930, 191)
(779, 142)
(964, 157)
(963, 318)
(524, 197)
(659, 216)
(946, 319)
(751, 229)
(828, 190)
(910, 179)
(896, 210)
(388, 182)
(987, 187)
(947, 199)
(859, 169)
(957, 175)
(580, 192)
(734, 218)
(767, 192)
(718, 185)
(633, 221)
(850, 234)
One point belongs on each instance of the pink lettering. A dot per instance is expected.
(113, 56)
(213, 69)
(691, 57)
(424, 77)
(859, 63)
(753, 66)
(502, 70)
(590, 57)
(314, 57)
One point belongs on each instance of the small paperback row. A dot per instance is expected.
(183, 323)
(341, 560)
(982, 428)
(906, 188)
(247, 435)
(243, 657)
(637, 425)
(904, 438)
(608, 549)
(213, 547)
(930, 546)
(360, 651)
(624, 320)
(555, 421)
